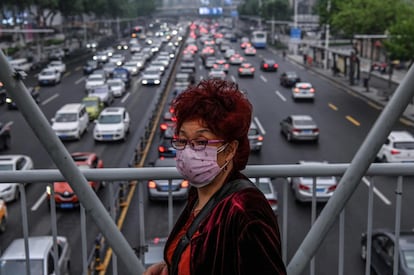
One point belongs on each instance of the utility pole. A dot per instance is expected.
(328, 8)
(295, 25)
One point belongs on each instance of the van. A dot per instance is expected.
(41, 256)
(21, 64)
(398, 147)
(71, 121)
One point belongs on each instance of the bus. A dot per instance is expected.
(259, 39)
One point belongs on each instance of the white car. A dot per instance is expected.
(57, 65)
(117, 86)
(70, 121)
(217, 73)
(118, 59)
(94, 80)
(49, 76)
(398, 147)
(103, 92)
(112, 124)
(9, 191)
(151, 76)
(132, 67)
(303, 90)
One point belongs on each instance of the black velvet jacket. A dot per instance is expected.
(240, 236)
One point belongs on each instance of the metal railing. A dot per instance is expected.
(138, 176)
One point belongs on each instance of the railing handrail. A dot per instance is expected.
(144, 173)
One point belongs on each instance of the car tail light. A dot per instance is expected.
(260, 138)
(272, 202)
(303, 187)
(312, 90)
(395, 152)
(296, 130)
(296, 90)
(215, 65)
(185, 184)
(152, 184)
(315, 130)
(276, 66)
(161, 149)
(240, 69)
(163, 126)
(252, 69)
(265, 66)
(332, 188)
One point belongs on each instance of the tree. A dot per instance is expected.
(276, 9)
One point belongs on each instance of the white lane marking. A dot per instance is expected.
(80, 80)
(280, 95)
(125, 97)
(233, 78)
(263, 78)
(377, 192)
(47, 100)
(39, 202)
(259, 125)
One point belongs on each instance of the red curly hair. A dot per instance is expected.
(222, 108)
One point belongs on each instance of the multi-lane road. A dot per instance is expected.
(343, 120)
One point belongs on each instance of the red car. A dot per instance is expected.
(65, 197)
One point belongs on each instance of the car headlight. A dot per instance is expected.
(157, 81)
(144, 81)
(119, 63)
(9, 100)
(48, 190)
(94, 57)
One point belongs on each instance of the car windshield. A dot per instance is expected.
(96, 78)
(253, 132)
(408, 258)
(47, 72)
(304, 122)
(110, 119)
(101, 90)
(6, 167)
(404, 145)
(19, 267)
(66, 117)
(90, 103)
(114, 84)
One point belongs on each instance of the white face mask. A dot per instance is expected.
(199, 167)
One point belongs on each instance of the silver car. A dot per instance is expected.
(302, 187)
(159, 189)
(41, 254)
(299, 127)
(265, 185)
(303, 90)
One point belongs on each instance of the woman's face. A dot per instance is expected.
(194, 129)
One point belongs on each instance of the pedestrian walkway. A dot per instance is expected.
(377, 94)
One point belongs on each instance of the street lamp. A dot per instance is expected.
(328, 8)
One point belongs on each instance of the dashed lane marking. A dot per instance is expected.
(263, 78)
(377, 192)
(47, 100)
(353, 120)
(280, 95)
(333, 107)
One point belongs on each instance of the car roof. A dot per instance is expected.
(301, 117)
(113, 110)
(38, 246)
(401, 136)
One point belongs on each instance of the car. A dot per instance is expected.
(269, 65)
(56, 54)
(289, 79)
(161, 67)
(40, 256)
(246, 69)
(151, 76)
(299, 127)
(250, 51)
(108, 68)
(165, 149)
(182, 81)
(135, 48)
(160, 189)
(49, 76)
(5, 135)
(303, 90)
(117, 59)
(112, 124)
(117, 86)
(94, 80)
(70, 121)
(398, 147)
(92, 45)
(94, 106)
(122, 45)
(154, 252)
(34, 92)
(57, 65)
(236, 59)
(3, 216)
(265, 185)
(104, 92)
(206, 52)
(15, 162)
(383, 247)
(90, 66)
(222, 64)
(64, 196)
(302, 187)
(228, 53)
(255, 137)
(217, 73)
(132, 67)
(123, 74)
(209, 62)
(3, 93)
(190, 65)
(101, 57)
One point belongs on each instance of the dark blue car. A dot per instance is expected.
(123, 74)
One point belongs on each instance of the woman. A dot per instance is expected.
(240, 234)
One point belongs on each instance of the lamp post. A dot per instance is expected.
(295, 25)
(328, 8)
